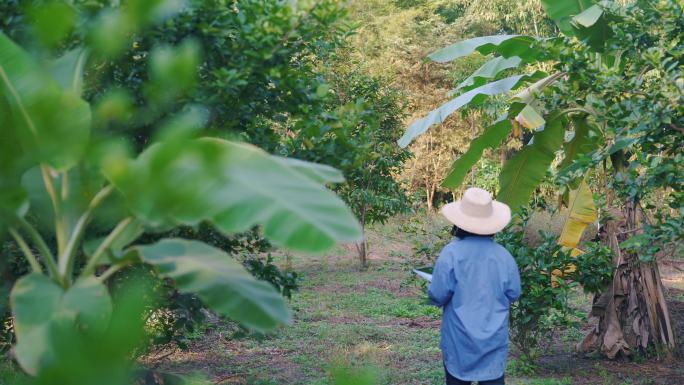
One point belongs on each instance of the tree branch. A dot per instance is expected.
(680, 129)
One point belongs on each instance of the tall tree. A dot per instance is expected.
(357, 135)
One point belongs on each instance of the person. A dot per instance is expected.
(475, 281)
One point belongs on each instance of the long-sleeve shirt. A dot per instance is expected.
(475, 280)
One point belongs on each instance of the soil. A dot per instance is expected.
(229, 360)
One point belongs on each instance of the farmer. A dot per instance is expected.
(475, 280)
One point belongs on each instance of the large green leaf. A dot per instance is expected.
(82, 183)
(504, 45)
(13, 197)
(489, 70)
(68, 70)
(588, 17)
(235, 186)
(490, 138)
(319, 173)
(593, 26)
(37, 302)
(562, 11)
(522, 173)
(89, 303)
(584, 19)
(115, 251)
(221, 282)
(585, 140)
(42, 114)
(473, 97)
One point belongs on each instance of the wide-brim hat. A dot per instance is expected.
(477, 212)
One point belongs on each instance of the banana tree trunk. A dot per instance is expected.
(633, 314)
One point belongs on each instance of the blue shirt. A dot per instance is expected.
(475, 280)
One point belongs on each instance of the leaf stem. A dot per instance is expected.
(30, 257)
(60, 226)
(42, 247)
(65, 185)
(66, 259)
(575, 109)
(111, 271)
(106, 244)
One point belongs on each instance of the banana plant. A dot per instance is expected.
(75, 203)
(523, 173)
(591, 108)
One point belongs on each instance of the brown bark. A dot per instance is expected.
(633, 313)
(361, 246)
(361, 249)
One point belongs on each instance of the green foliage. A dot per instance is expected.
(450, 12)
(521, 174)
(222, 283)
(562, 12)
(68, 323)
(508, 46)
(543, 306)
(595, 267)
(619, 80)
(42, 112)
(474, 97)
(239, 179)
(486, 174)
(490, 139)
(358, 138)
(639, 132)
(40, 305)
(285, 282)
(489, 70)
(262, 53)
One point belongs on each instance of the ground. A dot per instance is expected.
(378, 320)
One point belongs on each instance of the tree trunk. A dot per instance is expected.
(430, 196)
(361, 249)
(361, 246)
(633, 314)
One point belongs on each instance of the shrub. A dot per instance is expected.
(285, 282)
(543, 306)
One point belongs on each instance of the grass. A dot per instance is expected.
(378, 319)
(375, 322)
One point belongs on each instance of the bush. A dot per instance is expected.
(182, 315)
(543, 306)
(283, 281)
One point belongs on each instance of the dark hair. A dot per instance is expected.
(460, 233)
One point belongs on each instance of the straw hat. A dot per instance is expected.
(477, 212)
